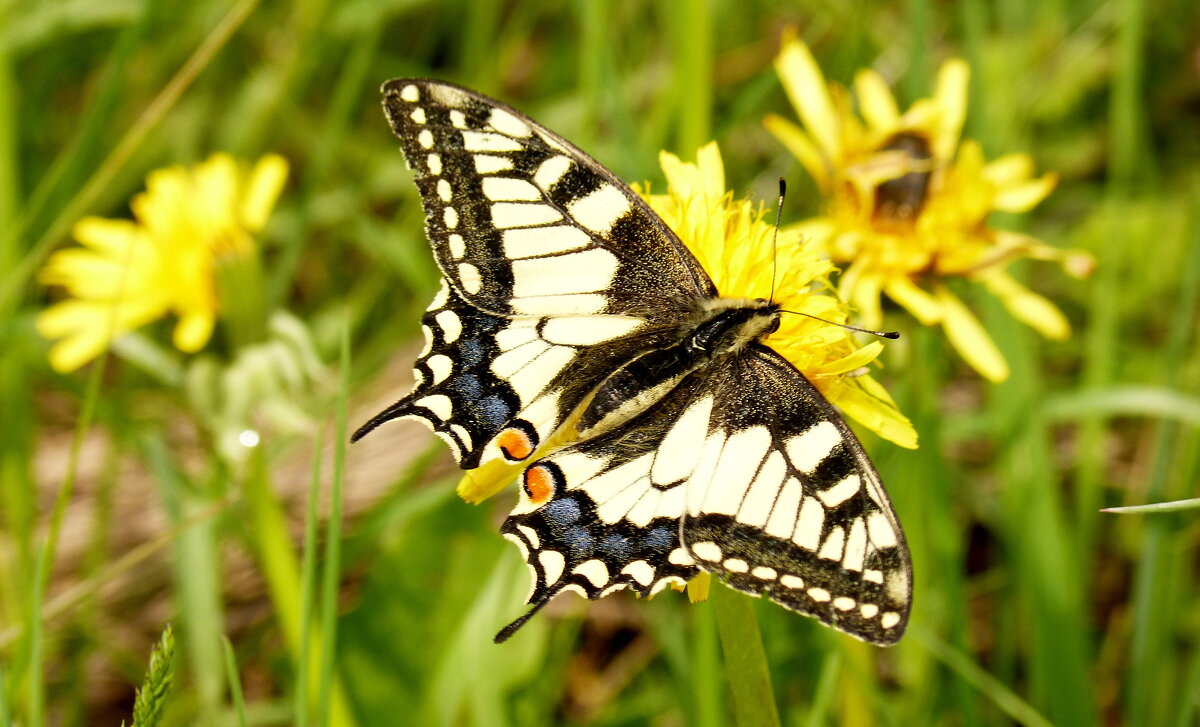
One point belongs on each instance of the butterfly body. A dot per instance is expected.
(566, 302)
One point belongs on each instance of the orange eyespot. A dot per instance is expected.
(539, 483)
(517, 442)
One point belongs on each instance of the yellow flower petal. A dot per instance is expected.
(951, 100)
(699, 587)
(481, 483)
(876, 101)
(1028, 307)
(864, 288)
(865, 401)
(801, 147)
(924, 307)
(107, 237)
(193, 330)
(970, 339)
(1009, 169)
(806, 88)
(1024, 197)
(262, 190)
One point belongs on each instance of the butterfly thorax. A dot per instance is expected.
(722, 327)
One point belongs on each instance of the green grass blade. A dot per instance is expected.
(331, 574)
(746, 668)
(235, 682)
(308, 574)
(1157, 507)
(152, 697)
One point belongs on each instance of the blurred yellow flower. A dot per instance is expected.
(906, 204)
(734, 244)
(131, 272)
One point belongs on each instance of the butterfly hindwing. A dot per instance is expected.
(761, 483)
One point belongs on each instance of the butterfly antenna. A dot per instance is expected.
(775, 237)
(892, 335)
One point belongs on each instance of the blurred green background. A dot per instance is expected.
(117, 515)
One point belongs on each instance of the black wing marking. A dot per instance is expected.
(760, 480)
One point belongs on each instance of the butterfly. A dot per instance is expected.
(565, 301)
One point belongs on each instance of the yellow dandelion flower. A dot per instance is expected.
(130, 273)
(735, 245)
(906, 203)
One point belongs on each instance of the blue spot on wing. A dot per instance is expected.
(561, 513)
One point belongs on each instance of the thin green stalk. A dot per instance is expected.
(46, 557)
(826, 690)
(235, 682)
(308, 574)
(706, 674)
(693, 25)
(10, 145)
(746, 666)
(331, 575)
(19, 275)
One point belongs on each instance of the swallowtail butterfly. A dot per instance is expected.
(566, 301)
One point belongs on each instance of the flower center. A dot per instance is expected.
(901, 199)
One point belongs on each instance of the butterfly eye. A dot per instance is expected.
(772, 326)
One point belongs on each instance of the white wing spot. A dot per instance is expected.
(820, 595)
(679, 556)
(641, 571)
(410, 93)
(834, 544)
(581, 272)
(594, 570)
(880, 530)
(707, 550)
(450, 324)
(783, 518)
(550, 171)
(523, 214)
(458, 119)
(425, 138)
(889, 619)
(552, 565)
(766, 573)
(418, 115)
(791, 581)
(554, 305)
(809, 449)
(474, 141)
(502, 189)
(444, 191)
(506, 123)
(869, 610)
(809, 524)
(461, 431)
(535, 241)
(589, 330)
(872, 575)
(856, 546)
(843, 603)
(760, 498)
(488, 164)
(842, 491)
(450, 217)
(428, 341)
(441, 366)
(439, 404)
(468, 274)
(458, 246)
(736, 565)
(677, 453)
(434, 162)
(601, 209)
